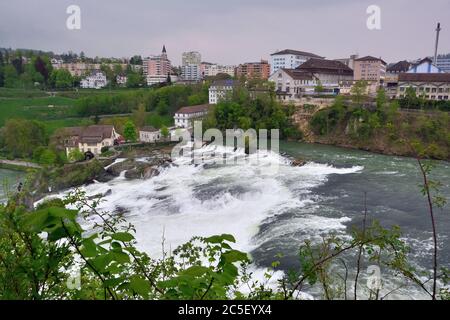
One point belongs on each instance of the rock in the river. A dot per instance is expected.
(150, 172)
(298, 162)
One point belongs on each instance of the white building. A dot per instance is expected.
(96, 80)
(191, 72)
(121, 80)
(430, 86)
(185, 117)
(90, 139)
(220, 89)
(291, 84)
(443, 63)
(149, 135)
(289, 59)
(212, 70)
(424, 66)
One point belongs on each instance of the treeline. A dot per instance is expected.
(247, 109)
(33, 69)
(164, 101)
(382, 128)
(28, 139)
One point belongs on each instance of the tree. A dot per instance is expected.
(319, 88)
(165, 132)
(43, 66)
(11, 77)
(359, 93)
(2, 74)
(129, 131)
(381, 99)
(134, 79)
(75, 155)
(22, 137)
(61, 79)
(139, 116)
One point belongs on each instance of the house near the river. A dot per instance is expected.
(90, 139)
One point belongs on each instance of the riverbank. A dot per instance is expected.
(396, 133)
(18, 165)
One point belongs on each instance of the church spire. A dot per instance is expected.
(164, 49)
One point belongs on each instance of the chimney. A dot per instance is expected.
(438, 30)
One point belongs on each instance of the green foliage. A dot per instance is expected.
(165, 132)
(21, 137)
(129, 131)
(75, 155)
(61, 79)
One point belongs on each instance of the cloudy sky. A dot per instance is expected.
(227, 31)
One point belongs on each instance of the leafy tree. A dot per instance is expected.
(61, 79)
(359, 93)
(11, 77)
(319, 88)
(75, 155)
(139, 116)
(22, 137)
(165, 132)
(129, 131)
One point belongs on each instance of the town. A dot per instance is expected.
(297, 78)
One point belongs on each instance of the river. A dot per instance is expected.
(9, 180)
(272, 212)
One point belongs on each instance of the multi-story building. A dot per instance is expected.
(370, 69)
(185, 117)
(90, 139)
(220, 89)
(291, 84)
(424, 66)
(212, 70)
(192, 57)
(431, 86)
(96, 80)
(191, 69)
(254, 70)
(392, 72)
(349, 62)
(156, 69)
(289, 59)
(443, 63)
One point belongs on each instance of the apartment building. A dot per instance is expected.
(289, 59)
(220, 89)
(254, 70)
(156, 69)
(185, 117)
(96, 80)
(370, 69)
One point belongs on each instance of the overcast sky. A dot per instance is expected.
(227, 31)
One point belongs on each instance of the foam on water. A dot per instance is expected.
(187, 200)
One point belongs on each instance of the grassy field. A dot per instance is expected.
(54, 112)
(58, 111)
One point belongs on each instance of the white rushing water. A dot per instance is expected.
(186, 200)
(267, 205)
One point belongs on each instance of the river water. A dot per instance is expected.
(9, 181)
(275, 211)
